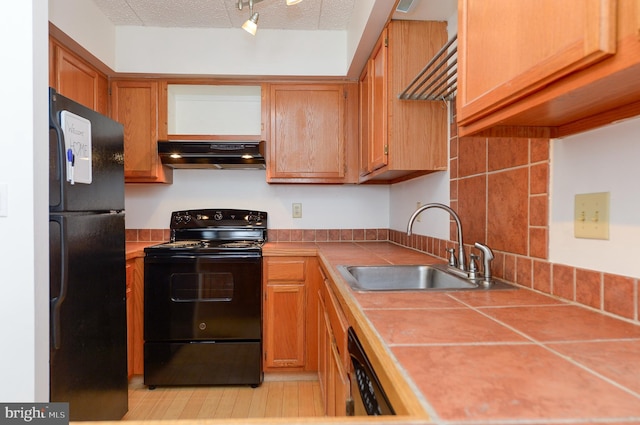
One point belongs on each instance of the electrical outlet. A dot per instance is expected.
(296, 210)
(4, 201)
(591, 216)
(419, 217)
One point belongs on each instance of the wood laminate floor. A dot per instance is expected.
(274, 398)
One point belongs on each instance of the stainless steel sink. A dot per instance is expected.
(411, 278)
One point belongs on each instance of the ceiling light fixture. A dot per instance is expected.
(251, 24)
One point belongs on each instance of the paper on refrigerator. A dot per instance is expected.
(77, 140)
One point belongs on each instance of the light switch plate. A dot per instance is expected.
(4, 200)
(296, 210)
(591, 216)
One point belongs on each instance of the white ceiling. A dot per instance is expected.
(274, 14)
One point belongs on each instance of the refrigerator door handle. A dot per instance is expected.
(56, 302)
(55, 124)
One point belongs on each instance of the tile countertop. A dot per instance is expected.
(507, 356)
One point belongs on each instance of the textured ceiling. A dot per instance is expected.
(274, 14)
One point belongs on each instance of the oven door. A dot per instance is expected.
(202, 297)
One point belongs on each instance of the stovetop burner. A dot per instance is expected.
(237, 244)
(182, 244)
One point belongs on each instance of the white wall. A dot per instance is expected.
(24, 305)
(323, 206)
(230, 51)
(602, 160)
(427, 189)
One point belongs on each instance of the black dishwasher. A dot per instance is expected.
(368, 396)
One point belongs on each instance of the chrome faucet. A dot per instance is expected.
(461, 255)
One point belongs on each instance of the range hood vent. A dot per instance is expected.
(215, 154)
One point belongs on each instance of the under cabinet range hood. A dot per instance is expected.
(215, 154)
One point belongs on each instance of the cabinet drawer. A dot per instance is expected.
(286, 269)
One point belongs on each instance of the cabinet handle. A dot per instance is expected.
(349, 407)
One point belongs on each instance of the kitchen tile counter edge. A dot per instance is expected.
(136, 249)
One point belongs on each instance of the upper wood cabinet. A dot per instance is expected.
(313, 133)
(363, 140)
(401, 138)
(566, 66)
(135, 105)
(76, 79)
(378, 85)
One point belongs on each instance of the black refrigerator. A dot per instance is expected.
(88, 339)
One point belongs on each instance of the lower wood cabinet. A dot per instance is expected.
(289, 312)
(285, 330)
(333, 355)
(135, 316)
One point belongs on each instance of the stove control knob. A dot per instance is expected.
(186, 218)
(202, 326)
(178, 219)
(217, 216)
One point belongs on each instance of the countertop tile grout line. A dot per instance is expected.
(558, 354)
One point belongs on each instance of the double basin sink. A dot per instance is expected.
(434, 277)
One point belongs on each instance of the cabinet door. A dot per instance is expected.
(378, 116)
(77, 80)
(137, 319)
(307, 133)
(135, 338)
(509, 49)
(364, 112)
(324, 354)
(135, 105)
(334, 381)
(285, 326)
(341, 384)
